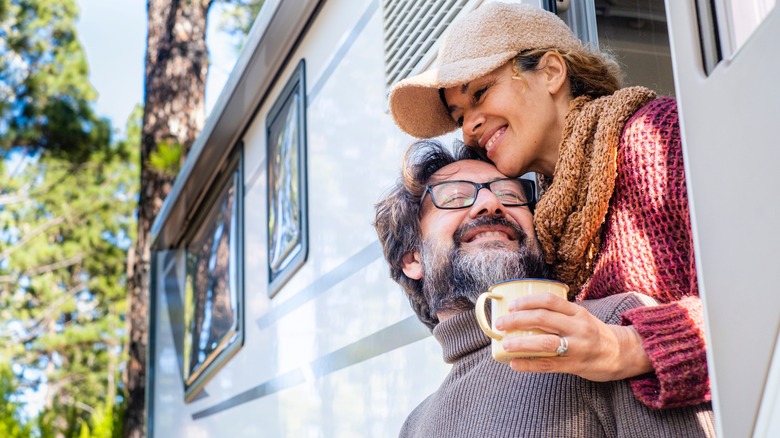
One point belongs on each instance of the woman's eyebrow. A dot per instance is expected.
(463, 90)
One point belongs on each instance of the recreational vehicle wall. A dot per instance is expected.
(272, 312)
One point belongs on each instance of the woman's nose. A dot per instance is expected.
(472, 125)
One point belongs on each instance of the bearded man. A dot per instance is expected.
(446, 241)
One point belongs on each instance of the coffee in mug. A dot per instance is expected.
(500, 295)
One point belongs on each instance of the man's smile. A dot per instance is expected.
(488, 229)
(489, 233)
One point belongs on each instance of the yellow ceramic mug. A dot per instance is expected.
(501, 294)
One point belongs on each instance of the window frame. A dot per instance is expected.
(233, 340)
(295, 255)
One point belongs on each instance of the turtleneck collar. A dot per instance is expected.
(460, 335)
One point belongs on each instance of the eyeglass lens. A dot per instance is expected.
(461, 194)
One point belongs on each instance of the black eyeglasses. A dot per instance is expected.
(451, 195)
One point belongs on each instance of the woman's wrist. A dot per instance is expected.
(633, 358)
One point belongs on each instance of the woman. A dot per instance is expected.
(613, 216)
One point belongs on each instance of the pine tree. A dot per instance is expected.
(45, 96)
(65, 232)
(66, 221)
(176, 66)
(174, 114)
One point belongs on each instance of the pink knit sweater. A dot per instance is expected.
(647, 247)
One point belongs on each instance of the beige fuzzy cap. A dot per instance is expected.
(480, 42)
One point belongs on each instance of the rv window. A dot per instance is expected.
(742, 18)
(287, 216)
(635, 32)
(213, 297)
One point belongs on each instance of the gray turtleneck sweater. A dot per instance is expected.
(483, 398)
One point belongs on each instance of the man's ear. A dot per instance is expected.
(555, 71)
(412, 266)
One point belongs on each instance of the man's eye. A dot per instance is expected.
(454, 199)
(509, 197)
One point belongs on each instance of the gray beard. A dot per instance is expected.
(454, 278)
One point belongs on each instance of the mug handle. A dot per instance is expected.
(484, 324)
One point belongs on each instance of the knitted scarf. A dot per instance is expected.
(569, 216)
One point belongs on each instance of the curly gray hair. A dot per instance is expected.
(397, 220)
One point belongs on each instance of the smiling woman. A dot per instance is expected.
(466, 251)
(530, 96)
(337, 350)
(523, 111)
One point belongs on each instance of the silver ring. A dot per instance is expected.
(563, 347)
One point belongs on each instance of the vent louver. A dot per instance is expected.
(411, 27)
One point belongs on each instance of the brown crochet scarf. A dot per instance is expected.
(570, 214)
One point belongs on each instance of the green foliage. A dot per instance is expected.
(65, 229)
(66, 223)
(237, 18)
(11, 424)
(46, 96)
(167, 158)
(84, 433)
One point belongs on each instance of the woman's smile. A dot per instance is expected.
(493, 139)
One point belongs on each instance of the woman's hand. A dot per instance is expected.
(597, 351)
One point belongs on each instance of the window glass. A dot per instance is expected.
(287, 239)
(744, 16)
(635, 32)
(212, 307)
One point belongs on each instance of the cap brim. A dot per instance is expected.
(415, 103)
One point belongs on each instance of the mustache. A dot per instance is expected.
(482, 221)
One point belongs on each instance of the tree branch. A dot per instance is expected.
(38, 270)
(43, 228)
(34, 327)
(40, 230)
(22, 195)
(83, 406)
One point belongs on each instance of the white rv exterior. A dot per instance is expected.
(328, 346)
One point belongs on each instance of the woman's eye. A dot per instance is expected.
(479, 93)
(459, 121)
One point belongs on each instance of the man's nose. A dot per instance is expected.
(486, 203)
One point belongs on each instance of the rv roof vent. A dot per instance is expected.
(411, 28)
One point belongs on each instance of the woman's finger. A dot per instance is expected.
(532, 344)
(550, 321)
(543, 301)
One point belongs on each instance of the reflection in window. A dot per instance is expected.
(635, 32)
(744, 16)
(287, 242)
(284, 221)
(211, 308)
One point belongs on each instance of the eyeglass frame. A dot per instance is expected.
(528, 186)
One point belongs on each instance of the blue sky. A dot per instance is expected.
(113, 34)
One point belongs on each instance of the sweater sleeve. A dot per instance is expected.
(673, 338)
(647, 247)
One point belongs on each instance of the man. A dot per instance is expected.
(446, 241)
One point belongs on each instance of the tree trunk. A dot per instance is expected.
(176, 66)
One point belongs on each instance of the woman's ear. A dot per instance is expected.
(555, 71)
(412, 266)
